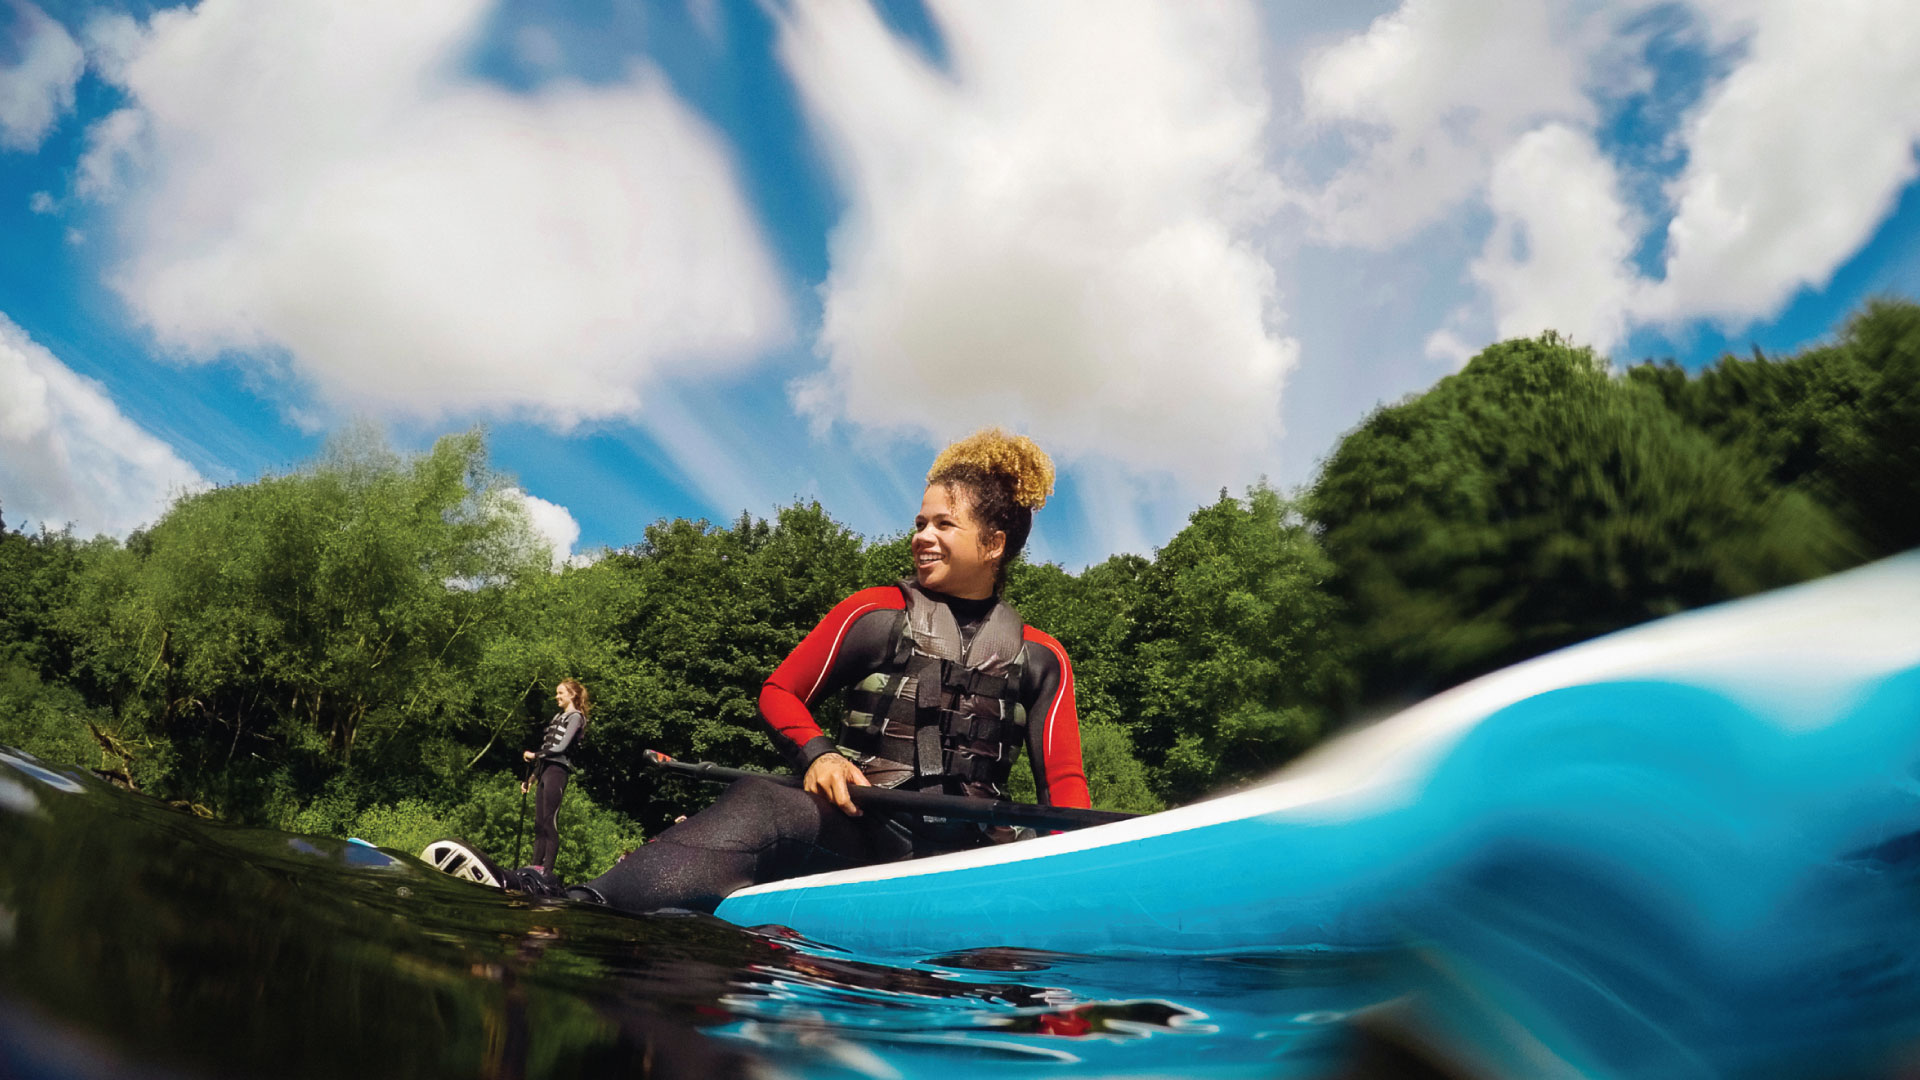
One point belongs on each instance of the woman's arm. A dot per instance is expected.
(847, 645)
(1053, 727)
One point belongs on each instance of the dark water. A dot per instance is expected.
(139, 941)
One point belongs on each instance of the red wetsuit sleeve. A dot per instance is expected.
(786, 698)
(1053, 727)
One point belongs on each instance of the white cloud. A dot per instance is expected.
(1055, 234)
(1795, 158)
(552, 523)
(111, 142)
(1558, 255)
(1445, 345)
(36, 89)
(1430, 95)
(323, 182)
(112, 39)
(1453, 109)
(67, 454)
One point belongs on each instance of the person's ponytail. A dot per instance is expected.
(582, 702)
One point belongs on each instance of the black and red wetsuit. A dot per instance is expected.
(856, 639)
(759, 831)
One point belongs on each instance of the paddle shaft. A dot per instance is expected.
(920, 803)
(521, 831)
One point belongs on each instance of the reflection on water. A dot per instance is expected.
(139, 941)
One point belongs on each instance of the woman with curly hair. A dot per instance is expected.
(945, 683)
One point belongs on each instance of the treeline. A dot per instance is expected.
(365, 645)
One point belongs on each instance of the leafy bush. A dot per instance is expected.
(50, 721)
(497, 818)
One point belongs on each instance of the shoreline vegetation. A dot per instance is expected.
(364, 645)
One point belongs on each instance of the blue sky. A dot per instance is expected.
(696, 257)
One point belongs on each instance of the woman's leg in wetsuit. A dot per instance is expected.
(546, 816)
(756, 832)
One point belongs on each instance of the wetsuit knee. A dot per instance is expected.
(751, 815)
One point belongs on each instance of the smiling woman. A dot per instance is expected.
(945, 684)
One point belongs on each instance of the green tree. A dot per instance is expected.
(885, 561)
(1876, 467)
(52, 721)
(1531, 501)
(1236, 655)
(1091, 614)
(36, 572)
(1838, 422)
(49, 702)
(707, 613)
(277, 633)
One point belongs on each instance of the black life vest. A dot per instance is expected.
(554, 743)
(942, 711)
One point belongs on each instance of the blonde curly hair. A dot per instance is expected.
(1005, 478)
(994, 450)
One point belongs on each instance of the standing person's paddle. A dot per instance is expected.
(946, 687)
(520, 829)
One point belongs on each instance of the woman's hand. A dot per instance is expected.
(526, 755)
(524, 785)
(830, 776)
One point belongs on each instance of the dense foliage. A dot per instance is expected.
(365, 645)
(1533, 500)
(1839, 423)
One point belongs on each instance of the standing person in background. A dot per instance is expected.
(551, 769)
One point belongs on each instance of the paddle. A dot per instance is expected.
(522, 830)
(922, 803)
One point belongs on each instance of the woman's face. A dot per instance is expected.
(950, 552)
(563, 696)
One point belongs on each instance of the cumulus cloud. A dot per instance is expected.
(112, 38)
(552, 523)
(1430, 96)
(1795, 157)
(1557, 258)
(1445, 345)
(325, 184)
(40, 64)
(1057, 232)
(68, 455)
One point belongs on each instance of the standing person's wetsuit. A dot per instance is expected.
(551, 768)
(759, 831)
